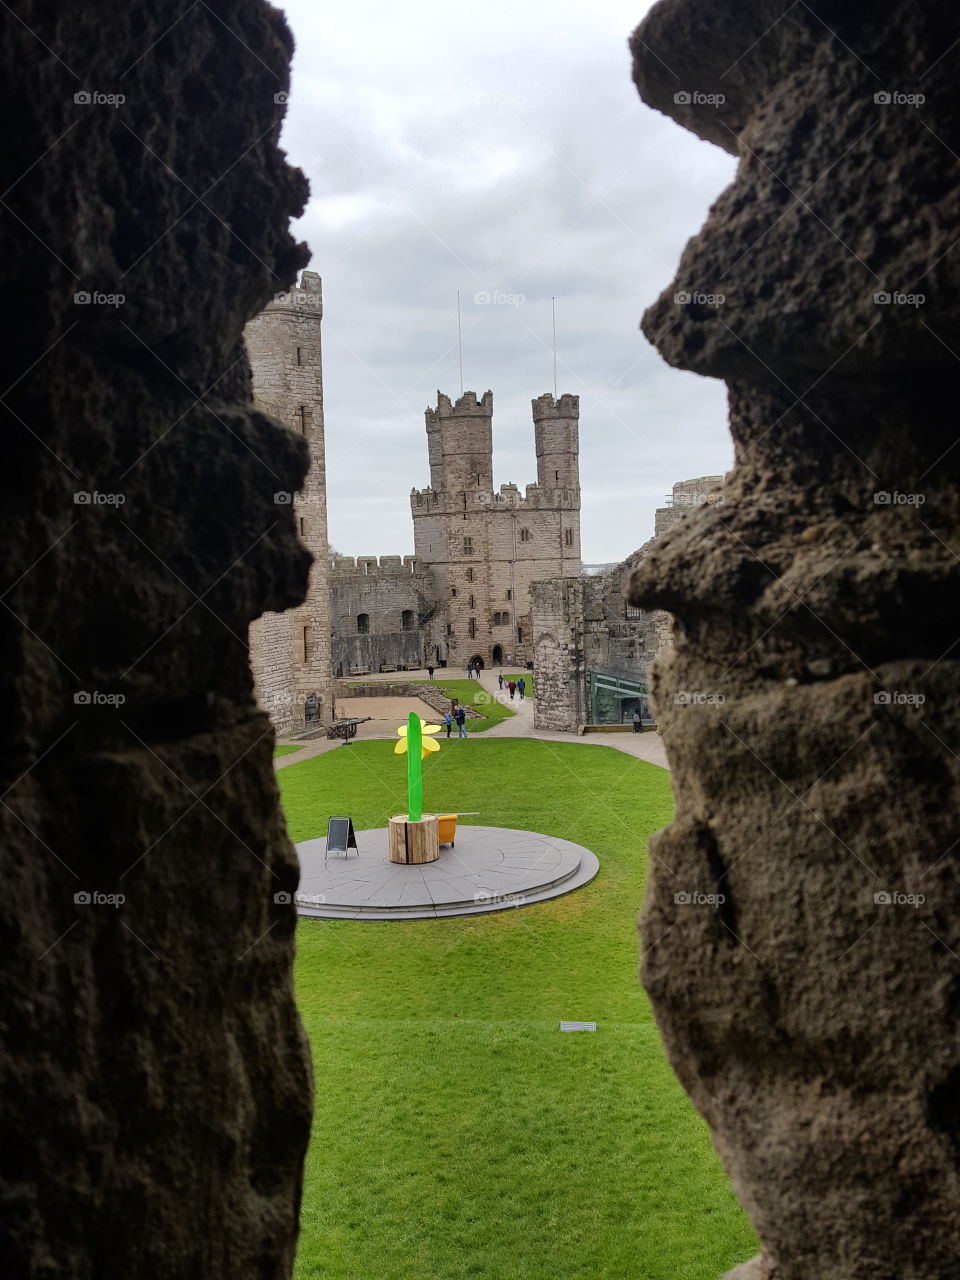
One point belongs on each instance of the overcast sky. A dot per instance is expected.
(497, 148)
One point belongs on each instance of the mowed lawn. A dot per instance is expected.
(457, 1132)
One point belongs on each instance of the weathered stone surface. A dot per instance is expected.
(155, 1079)
(811, 1014)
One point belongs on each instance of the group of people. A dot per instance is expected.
(456, 717)
(514, 686)
(473, 670)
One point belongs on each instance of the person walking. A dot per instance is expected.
(512, 686)
(500, 681)
(448, 721)
(469, 670)
(521, 687)
(429, 673)
(461, 718)
(636, 720)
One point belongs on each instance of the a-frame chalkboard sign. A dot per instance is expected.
(340, 836)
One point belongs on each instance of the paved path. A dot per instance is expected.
(643, 746)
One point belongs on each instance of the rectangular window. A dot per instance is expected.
(568, 537)
(520, 635)
(303, 527)
(307, 642)
(470, 575)
(303, 419)
(524, 535)
(299, 356)
(468, 546)
(472, 628)
(453, 591)
(509, 594)
(449, 628)
(472, 602)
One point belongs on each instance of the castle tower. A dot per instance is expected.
(291, 651)
(460, 443)
(482, 550)
(557, 436)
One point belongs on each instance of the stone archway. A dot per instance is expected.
(477, 662)
(498, 655)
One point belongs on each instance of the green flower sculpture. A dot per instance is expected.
(416, 746)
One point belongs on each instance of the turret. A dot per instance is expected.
(460, 443)
(557, 435)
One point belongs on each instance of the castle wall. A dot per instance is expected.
(291, 652)
(586, 625)
(390, 596)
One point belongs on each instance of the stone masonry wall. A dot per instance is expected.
(386, 593)
(154, 1076)
(810, 707)
(291, 654)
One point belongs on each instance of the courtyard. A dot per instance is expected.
(457, 1131)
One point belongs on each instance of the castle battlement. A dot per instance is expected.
(303, 298)
(373, 566)
(545, 406)
(466, 406)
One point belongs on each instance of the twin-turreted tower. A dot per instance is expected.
(484, 548)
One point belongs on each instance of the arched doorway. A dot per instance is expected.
(477, 662)
(498, 655)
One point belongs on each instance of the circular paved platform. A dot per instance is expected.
(489, 869)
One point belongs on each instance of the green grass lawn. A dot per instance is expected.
(284, 749)
(458, 1135)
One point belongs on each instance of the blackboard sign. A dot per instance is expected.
(340, 836)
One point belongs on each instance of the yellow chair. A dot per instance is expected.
(447, 828)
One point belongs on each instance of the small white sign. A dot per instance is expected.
(578, 1026)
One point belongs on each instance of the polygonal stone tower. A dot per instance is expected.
(483, 548)
(291, 652)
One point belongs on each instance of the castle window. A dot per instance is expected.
(299, 356)
(568, 537)
(449, 628)
(524, 535)
(453, 591)
(470, 575)
(509, 593)
(520, 635)
(557, 475)
(472, 602)
(501, 619)
(407, 621)
(303, 419)
(468, 546)
(303, 527)
(472, 628)
(363, 624)
(307, 643)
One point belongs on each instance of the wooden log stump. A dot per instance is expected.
(414, 842)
